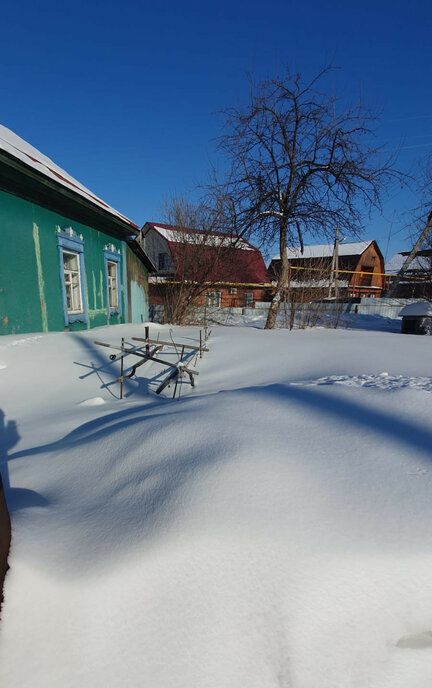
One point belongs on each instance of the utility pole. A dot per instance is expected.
(334, 272)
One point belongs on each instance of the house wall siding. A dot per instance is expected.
(227, 300)
(369, 258)
(153, 244)
(30, 283)
(137, 288)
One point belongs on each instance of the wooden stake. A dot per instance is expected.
(147, 336)
(121, 370)
(167, 381)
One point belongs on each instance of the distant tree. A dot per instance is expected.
(298, 166)
(201, 257)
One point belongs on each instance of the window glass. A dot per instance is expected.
(249, 299)
(213, 299)
(162, 261)
(112, 284)
(72, 280)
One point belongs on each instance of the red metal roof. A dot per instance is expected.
(242, 263)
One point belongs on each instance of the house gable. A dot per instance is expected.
(196, 255)
(314, 267)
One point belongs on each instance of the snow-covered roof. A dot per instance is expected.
(420, 263)
(316, 284)
(420, 308)
(245, 265)
(19, 149)
(326, 250)
(178, 235)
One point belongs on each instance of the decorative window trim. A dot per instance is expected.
(71, 242)
(113, 255)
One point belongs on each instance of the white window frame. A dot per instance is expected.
(211, 297)
(112, 255)
(68, 275)
(113, 289)
(69, 242)
(249, 296)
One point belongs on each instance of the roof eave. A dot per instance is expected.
(48, 192)
(141, 254)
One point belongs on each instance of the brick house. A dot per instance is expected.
(231, 270)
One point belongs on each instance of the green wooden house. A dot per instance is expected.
(68, 260)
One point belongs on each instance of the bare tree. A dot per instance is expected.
(298, 166)
(202, 258)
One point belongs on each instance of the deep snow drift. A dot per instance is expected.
(273, 527)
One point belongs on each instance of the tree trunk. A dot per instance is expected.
(281, 283)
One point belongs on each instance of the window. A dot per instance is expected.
(112, 284)
(248, 299)
(213, 299)
(72, 275)
(366, 279)
(162, 261)
(72, 282)
(233, 291)
(112, 272)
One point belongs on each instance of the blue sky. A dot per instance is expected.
(125, 95)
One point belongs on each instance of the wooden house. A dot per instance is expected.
(360, 271)
(231, 270)
(66, 254)
(417, 280)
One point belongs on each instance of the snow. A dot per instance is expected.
(270, 528)
(326, 250)
(180, 236)
(15, 146)
(95, 401)
(421, 263)
(420, 308)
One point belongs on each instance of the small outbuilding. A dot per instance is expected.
(417, 318)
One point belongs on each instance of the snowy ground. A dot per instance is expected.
(271, 528)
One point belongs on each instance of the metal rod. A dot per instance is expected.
(159, 341)
(147, 336)
(137, 365)
(121, 371)
(147, 358)
(167, 381)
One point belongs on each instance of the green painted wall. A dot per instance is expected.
(30, 284)
(138, 288)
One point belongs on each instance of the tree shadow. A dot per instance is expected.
(131, 500)
(412, 435)
(16, 497)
